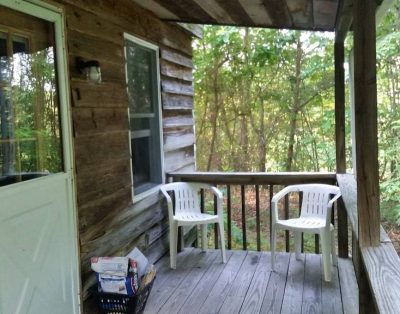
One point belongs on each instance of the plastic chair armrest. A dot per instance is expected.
(219, 197)
(169, 203)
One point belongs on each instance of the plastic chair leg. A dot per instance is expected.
(326, 254)
(204, 237)
(222, 237)
(333, 247)
(273, 245)
(173, 243)
(297, 244)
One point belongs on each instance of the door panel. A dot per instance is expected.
(38, 233)
(36, 246)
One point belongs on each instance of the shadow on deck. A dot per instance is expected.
(246, 284)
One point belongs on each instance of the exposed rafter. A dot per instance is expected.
(235, 10)
(279, 12)
(344, 19)
(187, 10)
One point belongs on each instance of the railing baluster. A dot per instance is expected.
(228, 204)
(202, 200)
(201, 206)
(317, 243)
(215, 225)
(243, 216)
(271, 195)
(302, 234)
(258, 227)
(287, 243)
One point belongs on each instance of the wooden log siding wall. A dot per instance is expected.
(109, 224)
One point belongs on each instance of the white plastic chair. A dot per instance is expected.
(188, 213)
(315, 218)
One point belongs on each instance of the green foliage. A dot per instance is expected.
(264, 101)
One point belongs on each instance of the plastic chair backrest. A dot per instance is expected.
(186, 196)
(316, 198)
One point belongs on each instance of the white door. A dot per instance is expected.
(38, 235)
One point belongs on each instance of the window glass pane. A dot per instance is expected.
(30, 144)
(141, 161)
(144, 119)
(140, 62)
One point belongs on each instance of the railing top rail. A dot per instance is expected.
(255, 178)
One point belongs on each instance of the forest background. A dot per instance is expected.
(264, 102)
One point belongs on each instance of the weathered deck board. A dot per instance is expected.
(312, 292)
(220, 291)
(178, 298)
(273, 299)
(246, 284)
(348, 286)
(238, 290)
(255, 295)
(331, 298)
(293, 296)
(196, 300)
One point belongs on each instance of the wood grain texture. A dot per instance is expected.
(235, 11)
(186, 10)
(348, 189)
(312, 298)
(174, 102)
(109, 223)
(255, 294)
(382, 266)
(254, 178)
(272, 302)
(293, 295)
(278, 12)
(198, 296)
(187, 286)
(220, 290)
(365, 100)
(344, 19)
(137, 21)
(292, 14)
(240, 286)
(348, 286)
(331, 297)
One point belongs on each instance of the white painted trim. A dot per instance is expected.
(146, 44)
(56, 15)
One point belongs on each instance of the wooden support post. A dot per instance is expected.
(340, 117)
(340, 108)
(366, 122)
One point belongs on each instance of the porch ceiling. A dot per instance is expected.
(289, 14)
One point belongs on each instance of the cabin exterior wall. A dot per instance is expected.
(110, 222)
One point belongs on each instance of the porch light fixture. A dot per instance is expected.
(90, 68)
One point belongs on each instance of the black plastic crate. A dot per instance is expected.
(113, 303)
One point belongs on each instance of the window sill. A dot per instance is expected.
(147, 193)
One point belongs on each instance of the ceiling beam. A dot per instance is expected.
(236, 12)
(344, 19)
(187, 10)
(279, 12)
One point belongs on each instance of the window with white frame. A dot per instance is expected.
(142, 73)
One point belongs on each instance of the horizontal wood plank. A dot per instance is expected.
(176, 71)
(175, 141)
(382, 265)
(254, 178)
(176, 87)
(175, 102)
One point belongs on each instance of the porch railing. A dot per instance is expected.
(250, 185)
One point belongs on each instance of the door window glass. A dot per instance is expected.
(30, 144)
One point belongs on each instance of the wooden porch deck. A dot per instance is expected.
(245, 284)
